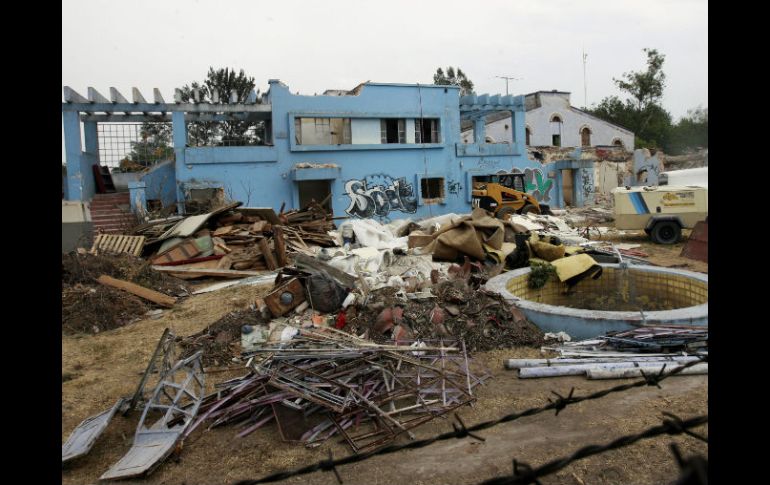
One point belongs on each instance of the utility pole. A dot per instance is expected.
(585, 87)
(508, 78)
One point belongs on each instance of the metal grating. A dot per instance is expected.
(136, 145)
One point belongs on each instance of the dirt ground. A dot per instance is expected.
(659, 254)
(98, 369)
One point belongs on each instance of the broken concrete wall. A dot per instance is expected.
(646, 170)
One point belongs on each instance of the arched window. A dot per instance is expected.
(618, 143)
(489, 139)
(556, 124)
(585, 137)
(529, 136)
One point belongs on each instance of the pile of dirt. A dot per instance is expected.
(89, 307)
(220, 341)
(85, 268)
(483, 320)
(94, 309)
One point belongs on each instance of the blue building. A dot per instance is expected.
(380, 150)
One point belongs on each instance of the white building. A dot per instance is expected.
(551, 121)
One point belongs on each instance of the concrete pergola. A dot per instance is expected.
(96, 108)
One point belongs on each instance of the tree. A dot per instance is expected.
(692, 131)
(452, 78)
(155, 145)
(641, 112)
(645, 87)
(224, 82)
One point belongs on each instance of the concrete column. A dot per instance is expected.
(179, 131)
(138, 198)
(72, 150)
(479, 131)
(89, 158)
(518, 130)
(558, 189)
(577, 186)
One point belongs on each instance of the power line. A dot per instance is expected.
(509, 78)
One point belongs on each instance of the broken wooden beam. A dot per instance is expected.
(267, 254)
(222, 273)
(140, 291)
(280, 246)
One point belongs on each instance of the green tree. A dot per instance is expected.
(154, 145)
(692, 131)
(642, 111)
(453, 78)
(234, 132)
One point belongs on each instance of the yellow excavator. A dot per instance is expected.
(505, 194)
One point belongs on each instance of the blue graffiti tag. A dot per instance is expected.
(378, 195)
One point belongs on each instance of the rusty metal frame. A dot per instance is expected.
(154, 444)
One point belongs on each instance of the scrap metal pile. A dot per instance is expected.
(320, 384)
(623, 354)
(659, 338)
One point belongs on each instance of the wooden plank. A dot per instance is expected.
(280, 246)
(224, 273)
(95, 247)
(190, 261)
(122, 241)
(267, 253)
(140, 291)
(109, 242)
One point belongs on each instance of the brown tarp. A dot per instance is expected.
(467, 235)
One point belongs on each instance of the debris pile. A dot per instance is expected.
(322, 384)
(91, 306)
(219, 341)
(232, 241)
(484, 321)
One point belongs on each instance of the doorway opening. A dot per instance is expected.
(319, 191)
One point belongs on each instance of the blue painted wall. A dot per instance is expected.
(160, 183)
(377, 180)
(366, 180)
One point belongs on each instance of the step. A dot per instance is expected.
(112, 227)
(109, 212)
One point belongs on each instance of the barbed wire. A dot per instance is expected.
(672, 425)
(460, 431)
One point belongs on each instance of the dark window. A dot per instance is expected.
(426, 130)
(618, 143)
(529, 136)
(393, 130)
(585, 137)
(556, 131)
(432, 188)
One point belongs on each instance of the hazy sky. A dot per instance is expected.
(336, 44)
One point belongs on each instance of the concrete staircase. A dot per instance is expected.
(111, 213)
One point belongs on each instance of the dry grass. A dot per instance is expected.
(101, 368)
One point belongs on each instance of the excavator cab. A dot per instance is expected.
(505, 194)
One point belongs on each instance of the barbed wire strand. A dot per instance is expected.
(524, 474)
(461, 431)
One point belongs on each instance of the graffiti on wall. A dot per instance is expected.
(488, 164)
(379, 194)
(537, 184)
(454, 187)
(587, 181)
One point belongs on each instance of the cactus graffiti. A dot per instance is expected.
(537, 184)
(379, 194)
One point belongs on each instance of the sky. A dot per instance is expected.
(336, 44)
